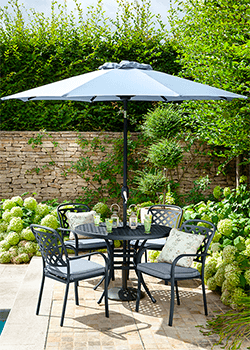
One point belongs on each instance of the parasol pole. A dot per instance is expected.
(125, 190)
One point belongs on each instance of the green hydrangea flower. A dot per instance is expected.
(27, 235)
(21, 258)
(18, 200)
(102, 209)
(225, 227)
(37, 219)
(228, 254)
(31, 248)
(30, 203)
(13, 238)
(4, 245)
(217, 236)
(7, 216)
(220, 275)
(16, 212)
(211, 283)
(217, 192)
(42, 210)
(226, 286)
(197, 266)
(215, 247)
(226, 192)
(8, 204)
(226, 297)
(50, 221)
(5, 257)
(210, 269)
(13, 252)
(232, 274)
(16, 224)
(3, 226)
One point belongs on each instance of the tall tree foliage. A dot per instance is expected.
(41, 50)
(213, 40)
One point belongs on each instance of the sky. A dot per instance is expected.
(157, 6)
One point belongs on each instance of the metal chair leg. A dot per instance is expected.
(177, 293)
(64, 303)
(171, 313)
(76, 293)
(138, 292)
(40, 295)
(147, 290)
(106, 295)
(98, 284)
(204, 298)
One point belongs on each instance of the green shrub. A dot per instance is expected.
(17, 244)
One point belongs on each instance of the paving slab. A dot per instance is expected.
(23, 329)
(87, 328)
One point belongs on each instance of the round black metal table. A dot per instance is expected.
(128, 257)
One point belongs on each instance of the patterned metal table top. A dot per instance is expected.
(122, 233)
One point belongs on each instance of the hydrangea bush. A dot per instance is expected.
(228, 266)
(17, 242)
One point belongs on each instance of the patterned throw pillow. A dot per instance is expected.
(179, 243)
(75, 219)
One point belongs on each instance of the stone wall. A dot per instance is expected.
(18, 160)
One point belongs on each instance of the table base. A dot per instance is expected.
(121, 294)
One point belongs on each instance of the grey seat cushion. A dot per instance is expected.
(162, 271)
(79, 269)
(88, 244)
(154, 244)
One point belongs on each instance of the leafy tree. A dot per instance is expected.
(161, 126)
(212, 38)
(40, 50)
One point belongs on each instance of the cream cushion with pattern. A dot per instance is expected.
(178, 243)
(75, 219)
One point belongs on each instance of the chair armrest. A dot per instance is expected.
(63, 230)
(181, 256)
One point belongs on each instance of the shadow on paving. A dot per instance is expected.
(111, 328)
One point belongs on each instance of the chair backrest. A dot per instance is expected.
(166, 215)
(200, 227)
(51, 245)
(72, 207)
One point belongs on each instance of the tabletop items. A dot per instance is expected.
(115, 208)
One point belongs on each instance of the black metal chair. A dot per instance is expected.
(79, 245)
(58, 266)
(174, 273)
(165, 215)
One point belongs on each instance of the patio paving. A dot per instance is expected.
(85, 326)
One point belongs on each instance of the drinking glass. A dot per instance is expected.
(97, 218)
(147, 223)
(109, 225)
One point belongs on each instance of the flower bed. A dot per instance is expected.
(228, 266)
(17, 242)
